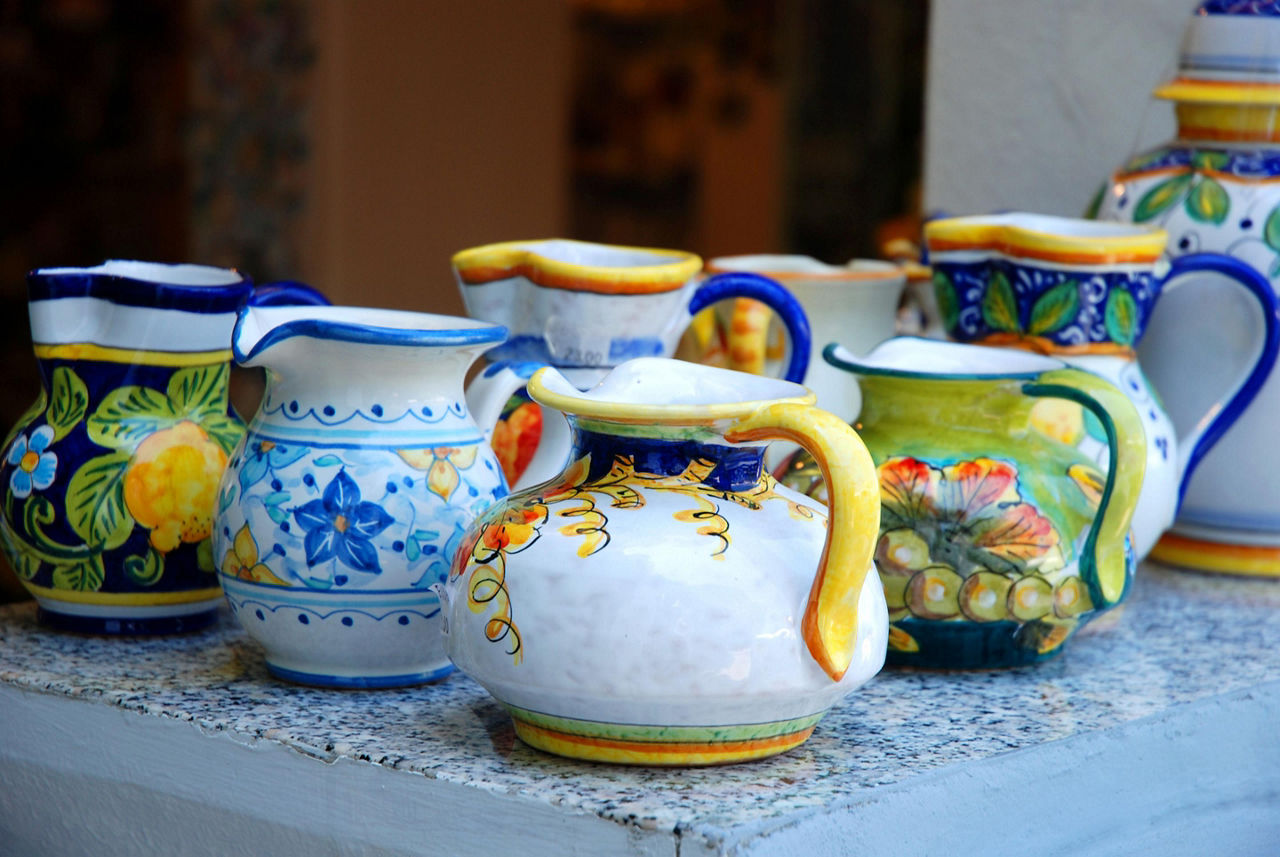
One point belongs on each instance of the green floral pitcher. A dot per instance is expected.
(997, 541)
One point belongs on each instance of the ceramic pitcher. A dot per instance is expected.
(1084, 291)
(663, 600)
(855, 303)
(109, 478)
(997, 539)
(585, 307)
(1215, 188)
(353, 486)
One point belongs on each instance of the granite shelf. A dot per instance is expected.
(1154, 732)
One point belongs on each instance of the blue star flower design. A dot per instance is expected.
(264, 456)
(341, 525)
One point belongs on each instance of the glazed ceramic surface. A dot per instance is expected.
(352, 489)
(997, 540)
(1085, 291)
(855, 304)
(584, 308)
(663, 600)
(110, 477)
(1215, 188)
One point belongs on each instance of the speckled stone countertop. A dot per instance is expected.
(1179, 638)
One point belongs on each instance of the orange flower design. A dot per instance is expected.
(970, 513)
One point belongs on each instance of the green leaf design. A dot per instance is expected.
(1121, 316)
(95, 501)
(945, 293)
(28, 416)
(200, 392)
(1208, 202)
(68, 403)
(999, 306)
(1271, 231)
(1210, 160)
(1056, 308)
(1162, 197)
(326, 461)
(83, 576)
(225, 430)
(145, 570)
(128, 415)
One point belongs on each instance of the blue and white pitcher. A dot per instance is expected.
(353, 486)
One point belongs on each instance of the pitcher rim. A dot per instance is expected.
(1023, 234)
(487, 263)
(840, 357)
(580, 404)
(475, 331)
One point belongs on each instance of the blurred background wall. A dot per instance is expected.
(357, 145)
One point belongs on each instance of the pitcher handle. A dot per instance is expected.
(1104, 565)
(1222, 415)
(487, 396)
(830, 624)
(741, 284)
(286, 293)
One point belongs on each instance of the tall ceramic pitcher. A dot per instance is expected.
(585, 308)
(1083, 291)
(997, 539)
(109, 478)
(1215, 188)
(351, 490)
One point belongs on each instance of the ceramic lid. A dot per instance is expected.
(1230, 55)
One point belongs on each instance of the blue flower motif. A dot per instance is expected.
(35, 468)
(341, 525)
(263, 456)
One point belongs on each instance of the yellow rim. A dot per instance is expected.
(979, 233)
(1200, 555)
(620, 751)
(631, 413)
(521, 258)
(133, 599)
(1219, 91)
(89, 351)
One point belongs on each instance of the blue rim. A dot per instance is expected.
(128, 291)
(338, 331)
(741, 284)
(347, 682)
(829, 355)
(1257, 286)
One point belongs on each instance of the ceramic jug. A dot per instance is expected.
(1084, 291)
(353, 486)
(584, 308)
(1215, 188)
(662, 600)
(855, 303)
(109, 478)
(997, 539)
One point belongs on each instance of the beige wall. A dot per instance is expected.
(439, 125)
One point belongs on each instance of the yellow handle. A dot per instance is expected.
(830, 624)
(1103, 562)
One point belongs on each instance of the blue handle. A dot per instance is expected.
(1259, 287)
(740, 284)
(286, 293)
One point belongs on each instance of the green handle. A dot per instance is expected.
(1103, 565)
